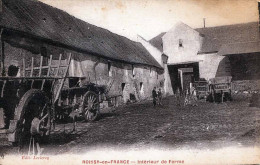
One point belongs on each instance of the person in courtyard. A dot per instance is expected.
(178, 96)
(154, 94)
(160, 97)
(187, 99)
(193, 97)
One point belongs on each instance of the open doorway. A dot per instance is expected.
(183, 74)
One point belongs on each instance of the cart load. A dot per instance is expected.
(220, 88)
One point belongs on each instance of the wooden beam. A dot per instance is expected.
(2, 53)
(48, 72)
(40, 71)
(3, 88)
(57, 72)
(23, 67)
(58, 68)
(32, 72)
(2, 58)
(32, 65)
(46, 67)
(63, 80)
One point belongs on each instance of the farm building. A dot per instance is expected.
(30, 28)
(209, 52)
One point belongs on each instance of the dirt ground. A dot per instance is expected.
(140, 125)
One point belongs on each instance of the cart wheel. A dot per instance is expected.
(33, 115)
(90, 106)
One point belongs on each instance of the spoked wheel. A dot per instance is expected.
(33, 115)
(90, 106)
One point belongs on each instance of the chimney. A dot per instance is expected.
(204, 22)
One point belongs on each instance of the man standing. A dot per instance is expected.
(154, 96)
(178, 96)
(160, 97)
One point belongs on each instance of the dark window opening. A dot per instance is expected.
(123, 86)
(180, 43)
(141, 86)
(43, 51)
(133, 71)
(109, 69)
(13, 70)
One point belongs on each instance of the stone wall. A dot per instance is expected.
(214, 65)
(245, 85)
(138, 80)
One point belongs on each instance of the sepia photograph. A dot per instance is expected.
(117, 82)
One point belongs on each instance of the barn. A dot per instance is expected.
(31, 29)
(209, 52)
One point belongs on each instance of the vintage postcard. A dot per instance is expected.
(117, 82)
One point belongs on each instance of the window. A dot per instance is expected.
(180, 43)
(133, 70)
(123, 86)
(43, 51)
(126, 72)
(141, 87)
(109, 69)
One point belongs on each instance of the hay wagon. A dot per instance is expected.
(220, 88)
(31, 102)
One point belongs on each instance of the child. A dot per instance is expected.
(187, 98)
(194, 98)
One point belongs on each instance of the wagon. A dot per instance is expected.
(43, 93)
(202, 88)
(220, 88)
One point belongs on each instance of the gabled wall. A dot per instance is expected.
(157, 54)
(210, 65)
(191, 43)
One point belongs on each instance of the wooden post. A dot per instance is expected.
(32, 65)
(23, 67)
(40, 71)
(58, 68)
(62, 80)
(48, 72)
(2, 54)
(32, 68)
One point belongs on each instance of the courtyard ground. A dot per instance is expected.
(140, 125)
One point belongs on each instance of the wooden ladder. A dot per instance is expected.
(42, 77)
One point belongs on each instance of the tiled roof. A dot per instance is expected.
(43, 21)
(216, 37)
(240, 48)
(157, 41)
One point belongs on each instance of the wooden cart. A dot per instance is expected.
(33, 101)
(202, 88)
(220, 88)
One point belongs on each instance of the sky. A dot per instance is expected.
(148, 18)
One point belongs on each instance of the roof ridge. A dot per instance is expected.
(241, 42)
(80, 19)
(230, 25)
(54, 24)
